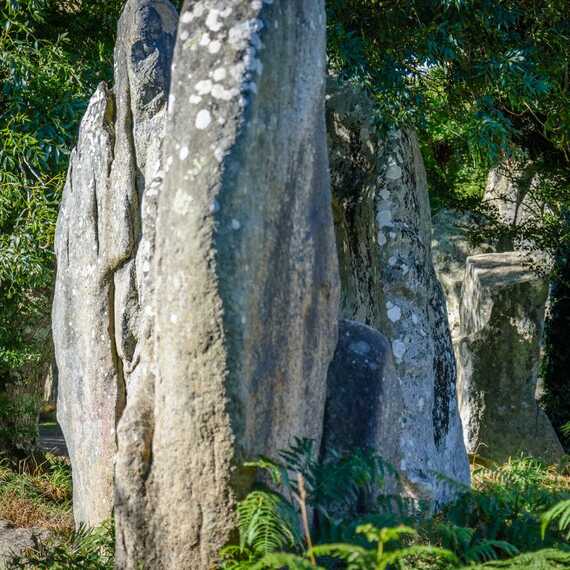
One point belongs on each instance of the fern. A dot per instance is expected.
(381, 558)
(470, 548)
(560, 512)
(267, 523)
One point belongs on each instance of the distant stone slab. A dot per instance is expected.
(383, 228)
(451, 246)
(502, 316)
(245, 302)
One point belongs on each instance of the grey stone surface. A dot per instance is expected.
(509, 194)
(451, 246)
(246, 284)
(14, 541)
(96, 309)
(383, 226)
(502, 314)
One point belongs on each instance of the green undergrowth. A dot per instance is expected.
(89, 549)
(311, 515)
(305, 514)
(36, 492)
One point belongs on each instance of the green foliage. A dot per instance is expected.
(516, 507)
(92, 549)
(36, 492)
(561, 513)
(506, 505)
(53, 55)
(548, 559)
(267, 523)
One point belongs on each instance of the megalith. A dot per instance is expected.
(383, 226)
(245, 278)
(96, 309)
(364, 399)
(502, 316)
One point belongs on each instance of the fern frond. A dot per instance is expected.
(267, 522)
(486, 550)
(560, 511)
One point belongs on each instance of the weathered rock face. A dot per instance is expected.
(14, 541)
(364, 400)
(502, 315)
(383, 226)
(246, 283)
(96, 303)
(451, 246)
(509, 194)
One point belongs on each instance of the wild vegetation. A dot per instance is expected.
(483, 82)
(340, 514)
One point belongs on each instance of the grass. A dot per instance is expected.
(36, 492)
(498, 524)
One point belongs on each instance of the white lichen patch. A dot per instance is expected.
(219, 154)
(182, 202)
(398, 349)
(203, 119)
(220, 92)
(394, 172)
(395, 313)
(204, 87)
(212, 21)
(392, 261)
(204, 40)
(195, 99)
(384, 218)
(236, 225)
(382, 239)
(219, 74)
(215, 46)
(184, 152)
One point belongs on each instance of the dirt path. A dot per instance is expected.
(52, 440)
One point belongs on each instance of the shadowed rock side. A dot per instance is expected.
(364, 399)
(502, 314)
(383, 226)
(246, 283)
(96, 306)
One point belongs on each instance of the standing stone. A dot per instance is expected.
(502, 315)
(364, 400)
(383, 225)
(96, 307)
(246, 285)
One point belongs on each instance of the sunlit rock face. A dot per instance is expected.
(245, 278)
(502, 315)
(96, 309)
(451, 246)
(383, 227)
